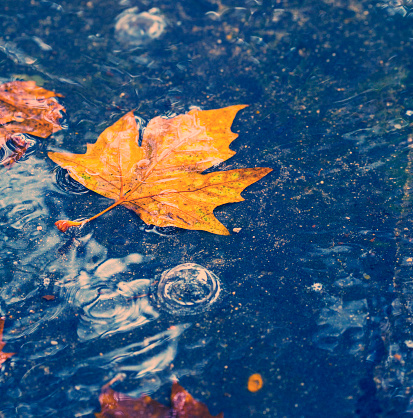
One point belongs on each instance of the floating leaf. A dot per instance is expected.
(115, 404)
(161, 180)
(3, 356)
(26, 108)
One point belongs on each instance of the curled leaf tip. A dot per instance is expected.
(64, 225)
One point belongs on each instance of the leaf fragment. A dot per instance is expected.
(255, 382)
(183, 405)
(3, 356)
(115, 404)
(162, 179)
(26, 108)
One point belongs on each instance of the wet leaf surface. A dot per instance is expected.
(161, 180)
(183, 405)
(26, 108)
(3, 356)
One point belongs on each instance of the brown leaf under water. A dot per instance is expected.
(161, 180)
(26, 108)
(3, 356)
(115, 404)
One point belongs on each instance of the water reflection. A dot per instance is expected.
(27, 236)
(294, 73)
(151, 355)
(403, 8)
(108, 303)
(96, 297)
(339, 318)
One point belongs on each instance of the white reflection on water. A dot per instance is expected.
(108, 303)
(83, 337)
(337, 319)
(161, 349)
(28, 239)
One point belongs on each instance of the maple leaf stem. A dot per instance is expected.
(118, 202)
(65, 225)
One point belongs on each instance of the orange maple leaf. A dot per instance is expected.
(3, 356)
(115, 404)
(161, 180)
(26, 108)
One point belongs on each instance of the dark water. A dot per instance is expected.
(315, 292)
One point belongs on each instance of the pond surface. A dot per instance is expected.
(313, 288)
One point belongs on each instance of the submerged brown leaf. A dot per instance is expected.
(3, 356)
(161, 180)
(185, 406)
(26, 108)
(115, 404)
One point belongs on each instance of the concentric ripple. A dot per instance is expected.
(67, 183)
(187, 289)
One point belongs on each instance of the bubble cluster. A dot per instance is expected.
(135, 29)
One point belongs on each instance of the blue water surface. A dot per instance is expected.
(313, 287)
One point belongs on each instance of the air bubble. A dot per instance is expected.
(136, 29)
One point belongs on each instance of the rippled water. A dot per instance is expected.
(312, 289)
(96, 296)
(187, 289)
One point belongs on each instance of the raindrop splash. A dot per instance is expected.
(187, 289)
